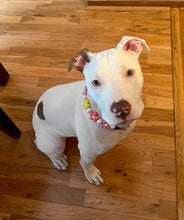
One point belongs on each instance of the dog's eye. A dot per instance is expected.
(130, 73)
(96, 83)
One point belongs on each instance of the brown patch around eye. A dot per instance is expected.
(40, 111)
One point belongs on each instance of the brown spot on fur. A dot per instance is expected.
(40, 111)
(84, 55)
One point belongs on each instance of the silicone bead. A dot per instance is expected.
(86, 104)
(88, 110)
(99, 121)
(84, 96)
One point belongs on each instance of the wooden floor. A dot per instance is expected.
(37, 40)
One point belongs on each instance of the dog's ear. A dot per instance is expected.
(79, 59)
(132, 44)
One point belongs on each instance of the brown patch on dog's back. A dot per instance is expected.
(40, 111)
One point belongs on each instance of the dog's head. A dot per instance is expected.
(114, 80)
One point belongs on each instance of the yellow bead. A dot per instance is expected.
(86, 104)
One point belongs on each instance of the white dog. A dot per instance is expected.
(101, 110)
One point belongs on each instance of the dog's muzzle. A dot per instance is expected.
(121, 109)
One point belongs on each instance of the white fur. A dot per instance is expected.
(66, 117)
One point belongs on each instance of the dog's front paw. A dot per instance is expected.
(93, 175)
(60, 163)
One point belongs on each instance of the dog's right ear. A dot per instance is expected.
(79, 59)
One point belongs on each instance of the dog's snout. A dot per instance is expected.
(121, 109)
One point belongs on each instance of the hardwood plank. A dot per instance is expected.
(17, 171)
(127, 8)
(9, 19)
(163, 71)
(5, 216)
(128, 186)
(59, 8)
(28, 60)
(31, 1)
(122, 203)
(53, 211)
(163, 158)
(155, 141)
(41, 191)
(182, 33)
(26, 35)
(135, 3)
(152, 127)
(159, 102)
(154, 114)
(16, 9)
(37, 44)
(179, 103)
(168, 210)
(21, 70)
(23, 80)
(21, 217)
(49, 82)
(158, 79)
(51, 20)
(13, 101)
(164, 93)
(17, 90)
(164, 174)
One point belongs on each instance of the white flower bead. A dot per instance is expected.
(88, 110)
(99, 121)
(84, 96)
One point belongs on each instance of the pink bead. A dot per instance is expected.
(104, 124)
(85, 91)
(94, 116)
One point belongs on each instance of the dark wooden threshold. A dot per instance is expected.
(178, 82)
(136, 3)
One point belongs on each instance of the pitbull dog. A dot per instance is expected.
(100, 110)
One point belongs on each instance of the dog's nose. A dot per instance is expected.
(121, 109)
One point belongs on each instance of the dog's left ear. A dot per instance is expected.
(79, 59)
(132, 44)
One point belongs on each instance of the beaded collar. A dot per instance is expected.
(94, 116)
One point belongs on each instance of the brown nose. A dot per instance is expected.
(121, 109)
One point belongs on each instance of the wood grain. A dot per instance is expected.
(179, 104)
(143, 3)
(52, 211)
(37, 40)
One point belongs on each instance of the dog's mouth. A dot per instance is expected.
(125, 123)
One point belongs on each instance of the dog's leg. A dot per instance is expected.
(93, 175)
(53, 147)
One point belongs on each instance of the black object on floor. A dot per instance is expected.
(4, 76)
(7, 125)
